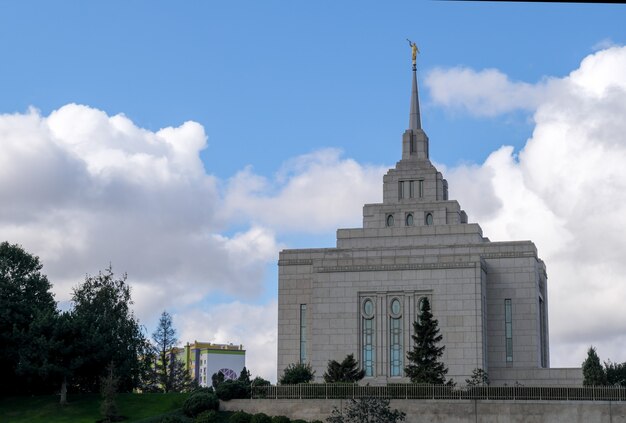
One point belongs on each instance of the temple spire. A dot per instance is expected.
(414, 139)
(415, 121)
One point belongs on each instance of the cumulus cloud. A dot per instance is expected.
(566, 190)
(298, 197)
(488, 92)
(82, 189)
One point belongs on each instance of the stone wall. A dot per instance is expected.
(458, 411)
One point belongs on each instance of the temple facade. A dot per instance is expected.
(362, 297)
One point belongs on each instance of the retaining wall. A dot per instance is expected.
(455, 411)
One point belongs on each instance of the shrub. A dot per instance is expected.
(240, 417)
(298, 421)
(297, 373)
(259, 381)
(280, 419)
(199, 402)
(208, 416)
(203, 389)
(261, 418)
(347, 371)
(232, 389)
(371, 409)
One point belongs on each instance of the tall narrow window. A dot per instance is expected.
(411, 189)
(508, 329)
(401, 190)
(395, 338)
(542, 333)
(368, 337)
(303, 357)
(421, 188)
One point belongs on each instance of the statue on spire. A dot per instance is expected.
(415, 50)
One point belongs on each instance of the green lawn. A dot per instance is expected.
(85, 408)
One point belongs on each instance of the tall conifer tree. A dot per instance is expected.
(593, 373)
(424, 365)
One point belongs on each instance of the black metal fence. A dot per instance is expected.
(440, 392)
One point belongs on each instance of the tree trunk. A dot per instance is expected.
(63, 400)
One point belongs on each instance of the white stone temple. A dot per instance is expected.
(362, 297)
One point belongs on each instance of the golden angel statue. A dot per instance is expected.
(414, 49)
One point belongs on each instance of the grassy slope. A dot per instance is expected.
(84, 408)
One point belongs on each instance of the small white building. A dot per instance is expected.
(203, 359)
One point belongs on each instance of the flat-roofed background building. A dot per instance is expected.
(203, 359)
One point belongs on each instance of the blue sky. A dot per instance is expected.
(278, 88)
(270, 80)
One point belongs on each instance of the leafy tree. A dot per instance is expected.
(615, 373)
(345, 372)
(110, 331)
(593, 373)
(53, 354)
(297, 373)
(366, 410)
(425, 366)
(25, 297)
(479, 378)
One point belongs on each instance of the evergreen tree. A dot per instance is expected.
(479, 378)
(170, 371)
(345, 372)
(425, 366)
(244, 376)
(593, 373)
(108, 390)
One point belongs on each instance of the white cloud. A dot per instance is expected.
(311, 193)
(488, 92)
(82, 189)
(567, 192)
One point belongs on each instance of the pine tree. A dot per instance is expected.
(345, 372)
(170, 371)
(108, 389)
(425, 366)
(593, 373)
